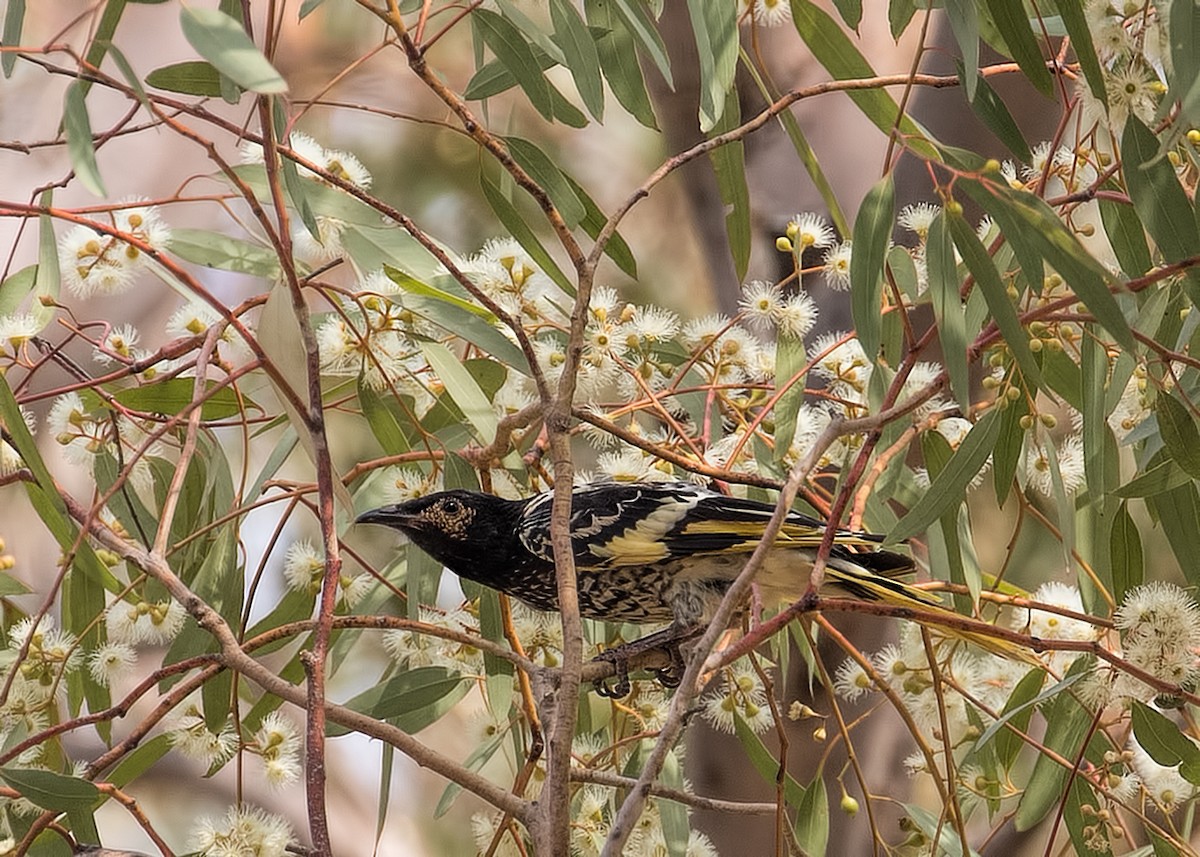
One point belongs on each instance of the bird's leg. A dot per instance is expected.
(672, 674)
(666, 640)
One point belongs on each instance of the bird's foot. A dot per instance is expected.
(666, 641)
(672, 674)
(620, 686)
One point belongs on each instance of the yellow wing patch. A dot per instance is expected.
(793, 534)
(633, 548)
(643, 543)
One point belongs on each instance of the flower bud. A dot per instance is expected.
(849, 805)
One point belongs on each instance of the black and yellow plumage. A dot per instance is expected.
(644, 552)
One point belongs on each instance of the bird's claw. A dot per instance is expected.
(620, 688)
(619, 656)
(672, 674)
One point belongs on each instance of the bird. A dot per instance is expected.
(645, 552)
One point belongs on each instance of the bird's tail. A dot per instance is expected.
(875, 576)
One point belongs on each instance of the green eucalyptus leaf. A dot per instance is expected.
(730, 166)
(619, 62)
(1125, 550)
(550, 178)
(1165, 742)
(1013, 23)
(193, 77)
(951, 484)
(1179, 433)
(14, 21)
(222, 41)
(512, 50)
(1159, 199)
(1166, 475)
(50, 790)
(948, 309)
(872, 233)
(580, 54)
(715, 28)
(80, 147)
(964, 23)
(174, 394)
(415, 698)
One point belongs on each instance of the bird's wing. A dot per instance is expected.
(614, 524)
(611, 523)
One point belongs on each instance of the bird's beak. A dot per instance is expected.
(389, 516)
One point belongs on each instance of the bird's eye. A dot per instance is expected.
(451, 507)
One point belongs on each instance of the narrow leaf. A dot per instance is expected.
(790, 358)
(851, 12)
(1127, 237)
(383, 422)
(1159, 199)
(716, 31)
(900, 15)
(411, 695)
(1018, 710)
(764, 763)
(834, 50)
(80, 146)
(50, 790)
(1165, 742)
(130, 76)
(534, 33)
(812, 166)
(1075, 21)
(616, 248)
(1125, 554)
(1008, 448)
(812, 818)
(579, 51)
(1093, 365)
(1013, 23)
(948, 309)
(1178, 510)
(933, 826)
(546, 173)
(994, 113)
(478, 758)
(951, 484)
(618, 61)
(505, 41)
(964, 23)
(15, 288)
(223, 42)
(636, 16)
(102, 37)
(48, 281)
(14, 21)
(872, 232)
(174, 394)
(674, 816)
(214, 250)
(193, 77)
(987, 278)
(1179, 433)
(494, 77)
(730, 166)
(1035, 230)
(508, 215)
(1068, 724)
(1164, 476)
(463, 389)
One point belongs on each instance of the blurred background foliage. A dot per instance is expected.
(1035, 166)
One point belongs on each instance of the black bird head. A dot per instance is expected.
(451, 526)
